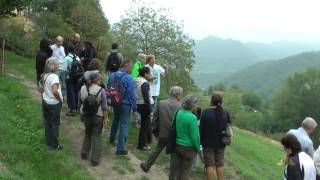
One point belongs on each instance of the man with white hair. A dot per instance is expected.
(162, 123)
(59, 52)
(303, 133)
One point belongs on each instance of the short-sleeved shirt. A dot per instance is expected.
(50, 80)
(155, 71)
(59, 53)
(304, 139)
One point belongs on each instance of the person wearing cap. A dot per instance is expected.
(113, 59)
(308, 126)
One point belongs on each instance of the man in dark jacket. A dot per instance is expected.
(162, 123)
(44, 53)
(113, 60)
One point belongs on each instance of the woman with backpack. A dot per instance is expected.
(73, 76)
(144, 102)
(213, 122)
(94, 115)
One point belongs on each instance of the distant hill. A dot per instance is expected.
(218, 58)
(265, 77)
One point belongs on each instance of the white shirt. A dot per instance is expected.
(155, 71)
(307, 163)
(48, 97)
(59, 53)
(304, 139)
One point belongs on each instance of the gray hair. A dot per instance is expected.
(126, 63)
(175, 91)
(141, 55)
(50, 64)
(309, 122)
(189, 102)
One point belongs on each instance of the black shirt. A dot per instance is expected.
(41, 59)
(211, 127)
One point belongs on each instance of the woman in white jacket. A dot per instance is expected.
(299, 165)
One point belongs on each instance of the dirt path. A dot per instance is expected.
(112, 167)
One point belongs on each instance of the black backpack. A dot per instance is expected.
(113, 62)
(91, 104)
(76, 69)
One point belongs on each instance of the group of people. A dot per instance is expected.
(301, 161)
(132, 91)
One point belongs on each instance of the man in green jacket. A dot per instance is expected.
(138, 63)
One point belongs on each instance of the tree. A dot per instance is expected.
(7, 7)
(251, 100)
(296, 99)
(154, 32)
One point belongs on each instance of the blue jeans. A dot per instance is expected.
(121, 121)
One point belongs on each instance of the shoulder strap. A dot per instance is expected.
(88, 90)
(98, 92)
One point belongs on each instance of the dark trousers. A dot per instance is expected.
(181, 163)
(72, 93)
(155, 153)
(51, 115)
(92, 137)
(145, 133)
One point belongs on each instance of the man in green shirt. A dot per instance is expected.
(138, 63)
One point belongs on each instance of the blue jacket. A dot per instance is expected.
(127, 87)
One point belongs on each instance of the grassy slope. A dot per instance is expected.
(22, 146)
(250, 157)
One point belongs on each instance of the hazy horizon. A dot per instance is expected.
(246, 20)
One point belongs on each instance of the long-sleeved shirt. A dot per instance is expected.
(127, 88)
(304, 139)
(135, 68)
(59, 53)
(187, 130)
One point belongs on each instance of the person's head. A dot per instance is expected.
(151, 59)
(45, 46)
(59, 41)
(309, 125)
(189, 103)
(94, 64)
(176, 92)
(71, 49)
(290, 144)
(126, 66)
(114, 46)
(95, 78)
(216, 99)
(52, 65)
(142, 58)
(76, 37)
(144, 72)
(87, 45)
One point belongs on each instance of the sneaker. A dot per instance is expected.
(71, 113)
(143, 167)
(95, 163)
(122, 152)
(59, 147)
(84, 156)
(146, 148)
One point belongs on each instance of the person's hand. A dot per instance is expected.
(165, 66)
(105, 122)
(133, 114)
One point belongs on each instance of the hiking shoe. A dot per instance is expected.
(84, 156)
(143, 167)
(123, 152)
(112, 142)
(70, 113)
(59, 147)
(146, 148)
(95, 163)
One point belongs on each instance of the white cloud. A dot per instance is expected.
(247, 20)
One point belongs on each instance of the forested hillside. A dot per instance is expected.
(218, 58)
(265, 77)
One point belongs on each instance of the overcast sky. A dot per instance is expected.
(245, 20)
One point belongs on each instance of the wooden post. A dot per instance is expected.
(2, 42)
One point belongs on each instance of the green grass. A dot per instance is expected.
(249, 157)
(22, 143)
